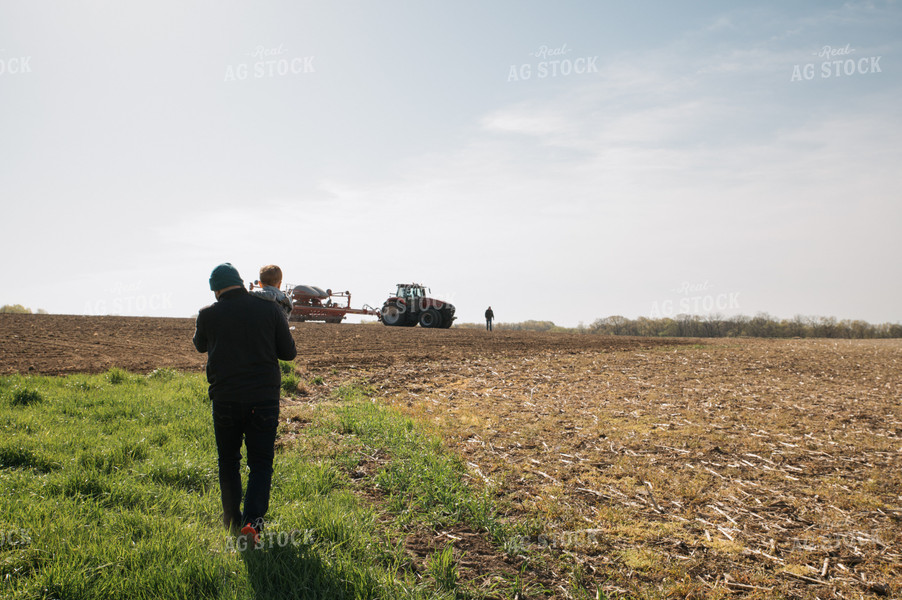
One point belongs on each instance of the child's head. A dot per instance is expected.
(271, 275)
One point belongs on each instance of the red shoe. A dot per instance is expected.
(249, 533)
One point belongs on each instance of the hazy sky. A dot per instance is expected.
(560, 161)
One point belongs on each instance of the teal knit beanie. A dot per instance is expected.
(223, 276)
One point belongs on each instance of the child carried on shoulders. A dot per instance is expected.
(270, 281)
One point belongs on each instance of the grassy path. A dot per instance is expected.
(108, 489)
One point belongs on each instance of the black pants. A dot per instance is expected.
(256, 424)
(488, 324)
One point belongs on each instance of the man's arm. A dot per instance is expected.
(285, 348)
(200, 336)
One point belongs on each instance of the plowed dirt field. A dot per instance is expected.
(649, 468)
(58, 344)
(726, 468)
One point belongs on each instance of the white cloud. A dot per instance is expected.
(524, 121)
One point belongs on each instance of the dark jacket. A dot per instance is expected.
(489, 314)
(244, 337)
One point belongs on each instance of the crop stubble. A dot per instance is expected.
(766, 467)
(762, 468)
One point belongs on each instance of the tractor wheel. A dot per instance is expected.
(447, 319)
(430, 318)
(393, 316)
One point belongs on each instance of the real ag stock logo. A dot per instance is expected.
(838, 63)
(694, 299)
(268, 63)
(14, 65)
(553, 63)
(128, 298)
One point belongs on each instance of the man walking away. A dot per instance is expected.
(244, 338)
(489, 315)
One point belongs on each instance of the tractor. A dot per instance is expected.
(410, 306)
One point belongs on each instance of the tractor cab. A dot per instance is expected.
(412, 291)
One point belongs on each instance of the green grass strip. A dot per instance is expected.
(108, 489)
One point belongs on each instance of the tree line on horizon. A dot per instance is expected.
(18, 309)
(761, 325)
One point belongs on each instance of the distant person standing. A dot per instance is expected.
(489, 315)
(244, 337)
